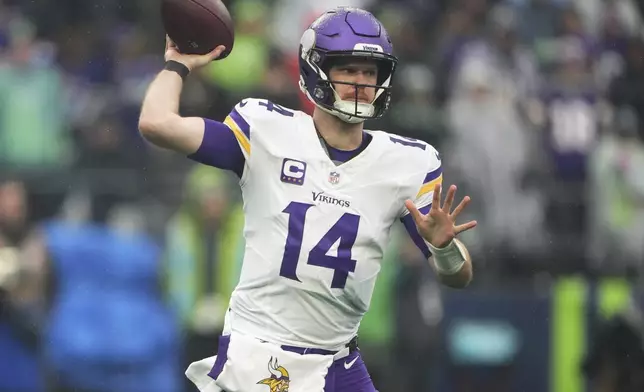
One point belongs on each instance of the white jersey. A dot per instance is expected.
(316, 232)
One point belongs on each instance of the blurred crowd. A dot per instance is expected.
(117, 259)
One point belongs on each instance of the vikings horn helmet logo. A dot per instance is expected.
(279, 380)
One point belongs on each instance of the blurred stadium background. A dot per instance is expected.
(117, 259)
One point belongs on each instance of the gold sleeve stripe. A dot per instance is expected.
(241, 137)
(429, 187)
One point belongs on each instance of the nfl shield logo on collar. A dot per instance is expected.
(334, 178)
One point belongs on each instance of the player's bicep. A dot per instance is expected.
(412, 230)
(176, 133)
(221, 147)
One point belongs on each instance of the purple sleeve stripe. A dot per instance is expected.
(241, 123)
(410, 226)
(219, 148)
(431, 176)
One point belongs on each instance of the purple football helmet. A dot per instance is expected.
(346, 33)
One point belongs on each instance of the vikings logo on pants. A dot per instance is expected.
(279, 380)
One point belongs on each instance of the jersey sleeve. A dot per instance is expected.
(238, 121)
(423, 201)
(225, 145)
(434, 175)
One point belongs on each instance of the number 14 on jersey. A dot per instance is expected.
(345, 230)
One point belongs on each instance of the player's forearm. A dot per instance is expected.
(161, 101)
(160, 122)
(453, 265)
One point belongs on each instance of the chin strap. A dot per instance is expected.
(361, 109)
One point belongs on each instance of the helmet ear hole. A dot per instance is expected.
(320, 93)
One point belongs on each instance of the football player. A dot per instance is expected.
(320, 197)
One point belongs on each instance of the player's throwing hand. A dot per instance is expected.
(192, 61)
(439, 226)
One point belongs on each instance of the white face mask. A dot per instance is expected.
(363, 109)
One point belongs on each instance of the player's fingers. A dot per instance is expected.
(449, 199)
(460, 207)
(169, 43)
(436, 199)
(465, 227)
(416, 215)
(217, 52)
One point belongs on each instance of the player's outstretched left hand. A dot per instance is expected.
(439, 226)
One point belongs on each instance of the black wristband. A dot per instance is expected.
(177, 67)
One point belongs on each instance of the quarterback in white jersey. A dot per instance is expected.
(320, 197)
